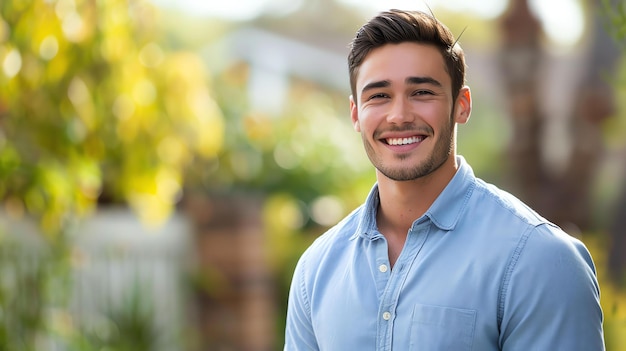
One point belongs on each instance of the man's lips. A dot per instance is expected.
(408, 135)
(404, 140)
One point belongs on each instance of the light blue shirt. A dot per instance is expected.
(479, 271)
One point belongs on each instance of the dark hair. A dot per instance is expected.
(396, 26)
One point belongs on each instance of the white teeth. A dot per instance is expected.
(403, 141)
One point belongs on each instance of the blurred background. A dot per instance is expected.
(164, 163)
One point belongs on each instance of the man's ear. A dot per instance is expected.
(354, 114)
(463, 105)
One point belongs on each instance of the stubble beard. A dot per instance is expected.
(443, 148)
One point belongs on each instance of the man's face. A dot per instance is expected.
(404, 110)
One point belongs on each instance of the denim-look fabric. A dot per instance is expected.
(479, 271)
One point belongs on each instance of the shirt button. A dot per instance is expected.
(386, 316)
(383, 268)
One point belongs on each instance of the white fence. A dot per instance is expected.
(124, 278)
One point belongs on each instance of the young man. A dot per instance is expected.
(435, 259)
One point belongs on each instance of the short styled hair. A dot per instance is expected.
(397, 26)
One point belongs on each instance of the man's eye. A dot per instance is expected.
(422, 92)
(378, 96)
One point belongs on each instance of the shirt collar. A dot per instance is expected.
(444, 212)
(367, 227)
(447, 209)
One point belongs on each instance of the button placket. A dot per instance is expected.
(389, 300)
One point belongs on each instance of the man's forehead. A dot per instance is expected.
(396, 63)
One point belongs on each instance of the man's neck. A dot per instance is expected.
(402, 202)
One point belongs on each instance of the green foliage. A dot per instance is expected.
(33, 289)
(20, 303)
(615, 11)
(92, 107)
(127, 327)
(307, 150)
(613, 295)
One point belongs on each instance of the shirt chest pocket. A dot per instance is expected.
(436, 328)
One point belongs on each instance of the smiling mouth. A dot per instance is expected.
(404, 141)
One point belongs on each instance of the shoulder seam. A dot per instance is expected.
(538, 220)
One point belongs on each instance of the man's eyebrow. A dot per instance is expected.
(375, 85)
(410, 80)
(423, 80)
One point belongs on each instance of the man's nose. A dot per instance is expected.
(400, 112)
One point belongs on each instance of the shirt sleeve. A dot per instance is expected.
(550, 299)
(299, 334)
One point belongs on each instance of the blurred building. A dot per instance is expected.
(274, 60)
